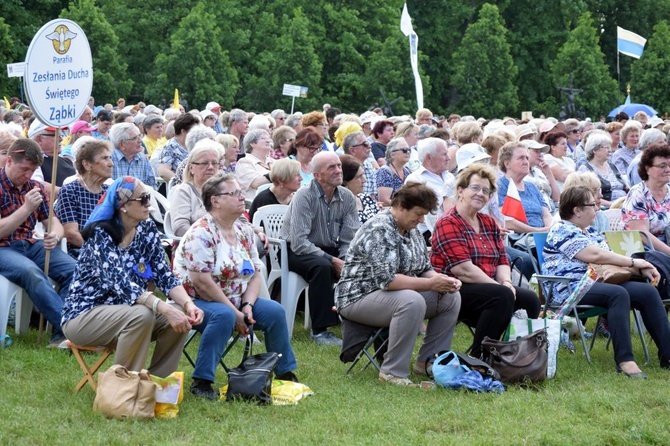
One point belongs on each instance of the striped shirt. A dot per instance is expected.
(311, 223)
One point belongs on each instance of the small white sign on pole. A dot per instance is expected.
(59, 73)
(16, 69)
(291, 90)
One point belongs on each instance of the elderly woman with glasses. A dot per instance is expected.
(612, 183)
(391, 176)
(254, 169)
(572, 244)
(307, 144)
(468, 245)
(218, 263)
(186, 205)
(647, 206)
(109, 302)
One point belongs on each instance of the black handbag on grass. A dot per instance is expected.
(252, 379)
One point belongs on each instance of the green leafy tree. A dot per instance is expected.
(110, 78)
(438, 40)
(286, 55)
(144, 28)
(535, 43)
(648, 81)
(195, 63)
(389, 68)
(483, 71)
(581, 57)
(8, 86)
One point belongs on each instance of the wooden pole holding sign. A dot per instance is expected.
(58, 82)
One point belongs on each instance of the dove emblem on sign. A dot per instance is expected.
(61, 39)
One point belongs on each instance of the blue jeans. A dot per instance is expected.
(217, 327)
(23, 263)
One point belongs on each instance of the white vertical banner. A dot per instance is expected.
(406, 28)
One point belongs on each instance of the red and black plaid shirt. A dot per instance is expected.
(455, 241)
(12, 198)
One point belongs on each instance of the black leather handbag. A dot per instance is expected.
(252, 379)
(524, 359)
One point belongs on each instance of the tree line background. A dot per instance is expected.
(488, 59)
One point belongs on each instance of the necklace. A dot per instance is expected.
(86, 186)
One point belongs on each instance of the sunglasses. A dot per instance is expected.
(144, 199)
(364, 143)
(406, 150)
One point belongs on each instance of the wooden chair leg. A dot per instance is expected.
(89, 372)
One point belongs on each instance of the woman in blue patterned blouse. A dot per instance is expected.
(387, 281)
(109, 302)
(571, 245)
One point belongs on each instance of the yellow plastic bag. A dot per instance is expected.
(284, 393)
(169, 394)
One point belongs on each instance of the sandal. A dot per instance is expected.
(385, 377)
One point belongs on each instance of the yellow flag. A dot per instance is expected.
(175, 104)
(7, 106)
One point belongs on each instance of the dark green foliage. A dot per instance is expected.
(649, 83)
(241, 53)
(483, 72)
(581, 57)
(110, 78)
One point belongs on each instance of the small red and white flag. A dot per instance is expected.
(512, 206)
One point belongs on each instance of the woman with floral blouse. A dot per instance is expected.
(218, 263)
(109, 303)
(387, 281)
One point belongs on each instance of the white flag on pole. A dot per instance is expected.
(408, 30)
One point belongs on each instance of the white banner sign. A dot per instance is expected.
(59, 73)
(295, 90)
(16, 69)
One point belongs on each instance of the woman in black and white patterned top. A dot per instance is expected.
(387, 281)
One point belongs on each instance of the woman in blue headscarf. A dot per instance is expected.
(109, 300)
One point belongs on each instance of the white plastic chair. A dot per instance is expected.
(11, 292)
(262, 187)
(159, 206)
(614, 217)
(271, 218)
(167, 225)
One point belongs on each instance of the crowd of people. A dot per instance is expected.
(391, 221)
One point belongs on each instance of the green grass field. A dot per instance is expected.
(584, 404)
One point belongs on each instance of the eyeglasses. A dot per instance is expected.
(208, 163)
(144, 199)
(135, 138)
(574, 131)
(314, 149)
(235, 193)
(365, 143)
(593, 205)
(405, 150)
(476, 188)
(662, 166)
(289, 140)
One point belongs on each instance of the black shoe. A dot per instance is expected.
(288, 376)
(204, 389)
